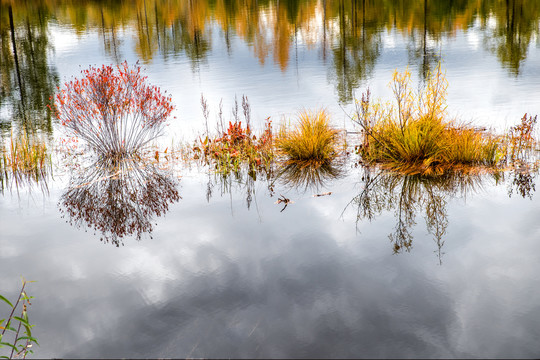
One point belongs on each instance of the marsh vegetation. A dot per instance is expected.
(414, 134)
(16, 330)
(25, 159)
(318, 233)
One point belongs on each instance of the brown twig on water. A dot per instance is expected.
(284, 200)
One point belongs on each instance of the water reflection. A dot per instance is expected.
(28, 81)
(287, 176)
(357, 46)
(514, 30)
(118, 200)
(349, 32)
(523, 179)
(242, 181)
(307, 175)
(409, 195)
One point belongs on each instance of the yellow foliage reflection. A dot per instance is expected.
(347, 34)
(351, 28)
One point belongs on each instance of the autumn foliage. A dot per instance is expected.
(416, 135)
(113, 109)
(236, 146)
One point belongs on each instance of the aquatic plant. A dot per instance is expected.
(298, 174)
(113, 109)
(415, 134)
(24, 158)
(20, 343)
(311, 140)
(236, 146)
(521, 139)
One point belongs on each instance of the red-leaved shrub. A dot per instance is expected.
(113, 109)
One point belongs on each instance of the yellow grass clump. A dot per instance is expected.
(311, 140)
(24, 157)
(415, 134)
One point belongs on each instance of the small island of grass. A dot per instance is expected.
(415, 134)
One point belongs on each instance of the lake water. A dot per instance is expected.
(385, 266)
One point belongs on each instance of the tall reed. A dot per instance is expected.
(18, 326)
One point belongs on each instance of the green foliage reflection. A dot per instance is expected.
(28, 81)
(347, 32)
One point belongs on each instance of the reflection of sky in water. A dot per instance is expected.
(217, 279)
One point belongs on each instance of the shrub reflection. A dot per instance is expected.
(118, 200)
(523, 179)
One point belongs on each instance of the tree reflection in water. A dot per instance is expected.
(118, 200)
(28, 79)
(408, 195)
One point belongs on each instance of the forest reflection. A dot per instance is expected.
(28, 80)
(118, 200)
(348, 35)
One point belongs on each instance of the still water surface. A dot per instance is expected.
(385, 266)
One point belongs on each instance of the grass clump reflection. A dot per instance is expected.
(308, 175)
(24, 158)
(408, 195)
(415, 135)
